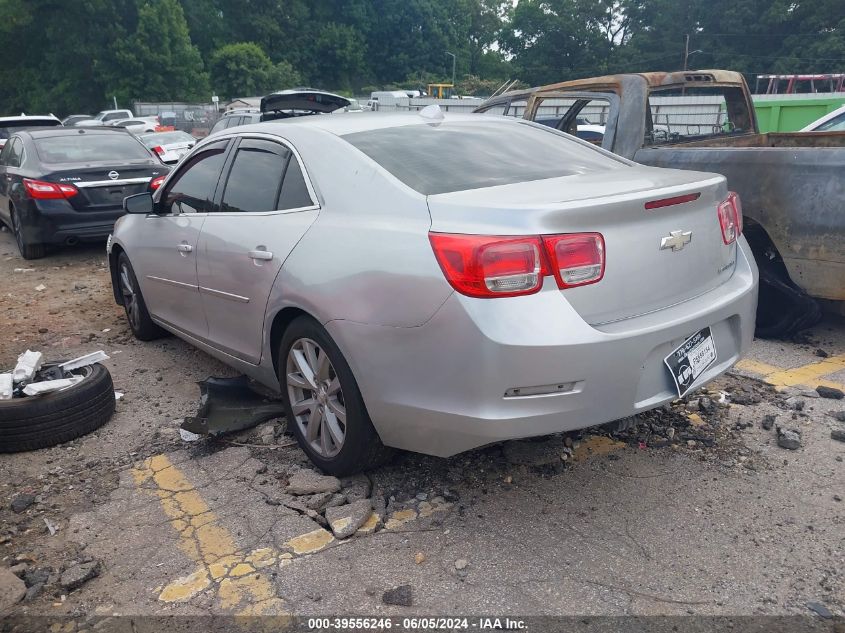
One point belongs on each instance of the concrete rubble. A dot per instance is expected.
(12, 589)
(309, 482)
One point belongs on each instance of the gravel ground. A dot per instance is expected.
(695, 508)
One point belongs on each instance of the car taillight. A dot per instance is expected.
(730, 218)
(577, 259)
(158, 149)
(155, 183)
(40, 190)
(489, 266)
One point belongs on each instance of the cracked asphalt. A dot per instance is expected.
(739, 527)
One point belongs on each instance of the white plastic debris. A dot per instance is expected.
(118, 395)
(5, 386)
(50, 527)
(40, 287)
(24, 270)
(84, 361)
(108, 329)
(187, 436)
(49, 386)
(28, 363)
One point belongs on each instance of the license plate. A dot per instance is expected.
(690, 359)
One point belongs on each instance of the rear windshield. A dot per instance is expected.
(82, 148)
(7, 128)
(450, 157)
(167, 138)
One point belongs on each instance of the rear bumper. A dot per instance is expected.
(57, 222)
(440, 388)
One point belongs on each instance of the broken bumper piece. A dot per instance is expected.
(230, 404)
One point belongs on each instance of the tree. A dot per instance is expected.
(340, 62)
(552, 40)
(245, 70)
(158, 62)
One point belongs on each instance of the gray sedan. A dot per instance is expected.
(438, 284)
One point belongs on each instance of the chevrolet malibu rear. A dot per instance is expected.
(584, 288)
(441, 283)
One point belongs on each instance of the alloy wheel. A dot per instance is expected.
(130, 297)
(316, 397)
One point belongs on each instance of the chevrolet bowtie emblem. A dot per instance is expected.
(676, 240)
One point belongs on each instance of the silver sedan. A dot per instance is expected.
(437, 283)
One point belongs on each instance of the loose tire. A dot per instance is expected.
(28, 250)
(140, 322)
(323, 404)
(35, 422)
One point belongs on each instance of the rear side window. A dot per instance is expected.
(192, 190)
(836, 124)
(82, 148)
(234, 121)
(13, 153)
(256, 177)
(294, 191)
(448, 157)
(218, 126)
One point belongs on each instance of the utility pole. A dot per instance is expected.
(454, 59)
(686, 53)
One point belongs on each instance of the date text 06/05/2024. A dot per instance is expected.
(415, 624)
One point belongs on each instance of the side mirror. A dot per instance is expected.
(139, 203)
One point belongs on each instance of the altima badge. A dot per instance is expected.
(676, 240)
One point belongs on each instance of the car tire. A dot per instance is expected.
(332, 390)
(35, 422)
(140, 322)
(27, 250)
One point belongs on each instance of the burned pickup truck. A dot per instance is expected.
(792, 186)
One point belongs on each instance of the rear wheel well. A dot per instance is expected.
(280, 323)
(116, 250)
(763, 247)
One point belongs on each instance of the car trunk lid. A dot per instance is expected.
(655, 257)
(105, 185)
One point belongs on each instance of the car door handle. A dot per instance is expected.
(265, 255)
(184, 248)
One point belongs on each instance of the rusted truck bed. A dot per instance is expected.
(792, 186)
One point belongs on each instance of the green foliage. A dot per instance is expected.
(64, 57)
(158, 60)
(245, 70)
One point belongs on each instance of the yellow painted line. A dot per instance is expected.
(236, 577)
(810, 375)
(756, 367)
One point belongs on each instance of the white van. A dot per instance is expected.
(388, 97)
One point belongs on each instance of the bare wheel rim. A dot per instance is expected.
(130, 297)
(316, 397)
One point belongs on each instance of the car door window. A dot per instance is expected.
(113, 116)
(255, 179)
(234, 121)
(294, 192)
(192, 189)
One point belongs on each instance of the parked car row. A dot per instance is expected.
(65, 185)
